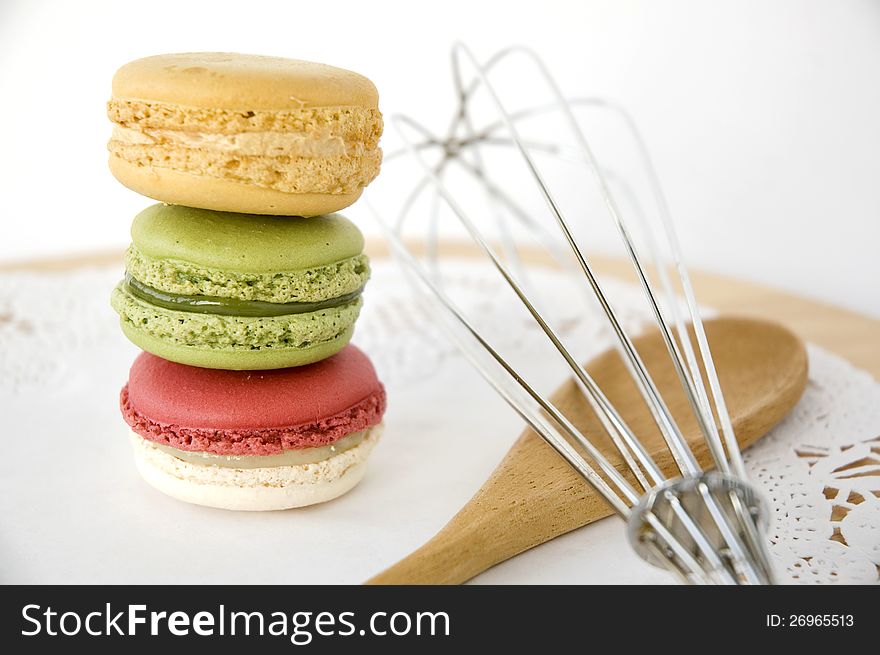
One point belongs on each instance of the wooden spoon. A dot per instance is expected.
(534, 496)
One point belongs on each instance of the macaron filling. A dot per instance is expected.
(244, 143)
(294, 457)
(228, 306)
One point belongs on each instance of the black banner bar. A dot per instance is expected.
(432, 619)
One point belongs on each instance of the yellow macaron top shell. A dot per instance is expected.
(217, 80)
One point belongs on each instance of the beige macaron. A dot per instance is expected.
(245, 484)
(244, 133)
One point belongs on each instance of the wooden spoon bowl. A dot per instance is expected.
(534, 496)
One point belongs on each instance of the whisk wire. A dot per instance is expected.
(701, 526)
(623, 437)
(551, 435)
(684, 458)
(607, 411)
(538, 423)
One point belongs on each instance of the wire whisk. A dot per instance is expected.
(703, 525)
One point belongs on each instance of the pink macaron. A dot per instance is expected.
(254, 440)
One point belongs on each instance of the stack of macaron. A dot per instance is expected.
(243, 285)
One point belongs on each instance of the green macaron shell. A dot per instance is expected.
(235, 342)
(268, 258)
(244, 243)
(233, 360)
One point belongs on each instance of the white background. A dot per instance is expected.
(762, 116)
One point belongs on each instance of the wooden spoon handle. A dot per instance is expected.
(492, 528)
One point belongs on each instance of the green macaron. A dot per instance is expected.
(239, 291)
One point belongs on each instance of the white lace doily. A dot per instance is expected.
(820, 466)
